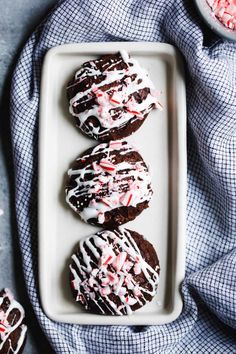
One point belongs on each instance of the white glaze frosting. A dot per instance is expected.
(7, 328)
(112, 266)
(117, 100)
(113, 185)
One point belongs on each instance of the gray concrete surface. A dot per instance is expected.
(17, 20)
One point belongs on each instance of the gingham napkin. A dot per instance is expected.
(208, 321)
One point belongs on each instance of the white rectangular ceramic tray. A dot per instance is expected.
(162, 143)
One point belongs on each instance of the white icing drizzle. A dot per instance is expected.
(7, 328)
(117, 100)
(110, 267)
(112, 186)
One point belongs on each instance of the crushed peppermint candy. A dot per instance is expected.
(224, 11)
(115, 145)
(127, 198)
(114, 254)
(119, 261)
(3, 328)
(107, 165)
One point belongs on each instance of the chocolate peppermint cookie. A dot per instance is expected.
(111, 97)
(114, 272)
(109, 185)
(12, 329)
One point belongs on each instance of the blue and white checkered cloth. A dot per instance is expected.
(208, 321)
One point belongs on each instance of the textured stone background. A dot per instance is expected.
(18, 19)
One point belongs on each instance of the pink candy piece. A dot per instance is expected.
(105, 281)
(137, 268)
(95, 89)
(2, 328)
(115, 145)
(105, 291)
(107, 165)
(127, 198)
(113, 278)
(119, 261)
(136, 113)
(102, 98)
(130, 300)
(96, 167)
(137, 292)
(106, 259)
(127, 266)
(96, 188)
(128, 279)
(107, 202)
(115, 100)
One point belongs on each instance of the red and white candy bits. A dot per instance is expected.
(224, 11)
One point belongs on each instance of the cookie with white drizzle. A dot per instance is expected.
(111, 97)
(109, 184)
(114, 272)
(12, 329)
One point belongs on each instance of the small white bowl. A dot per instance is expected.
(213, 22)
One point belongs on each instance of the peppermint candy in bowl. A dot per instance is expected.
(220, 15)
(111, 97)
(114, 272)
(109, 184)
(12, 327)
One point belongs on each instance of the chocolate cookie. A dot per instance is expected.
(111, 97)
(109, 185)
(114, 272)
(12, 329)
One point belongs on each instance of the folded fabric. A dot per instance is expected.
(208, 321)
